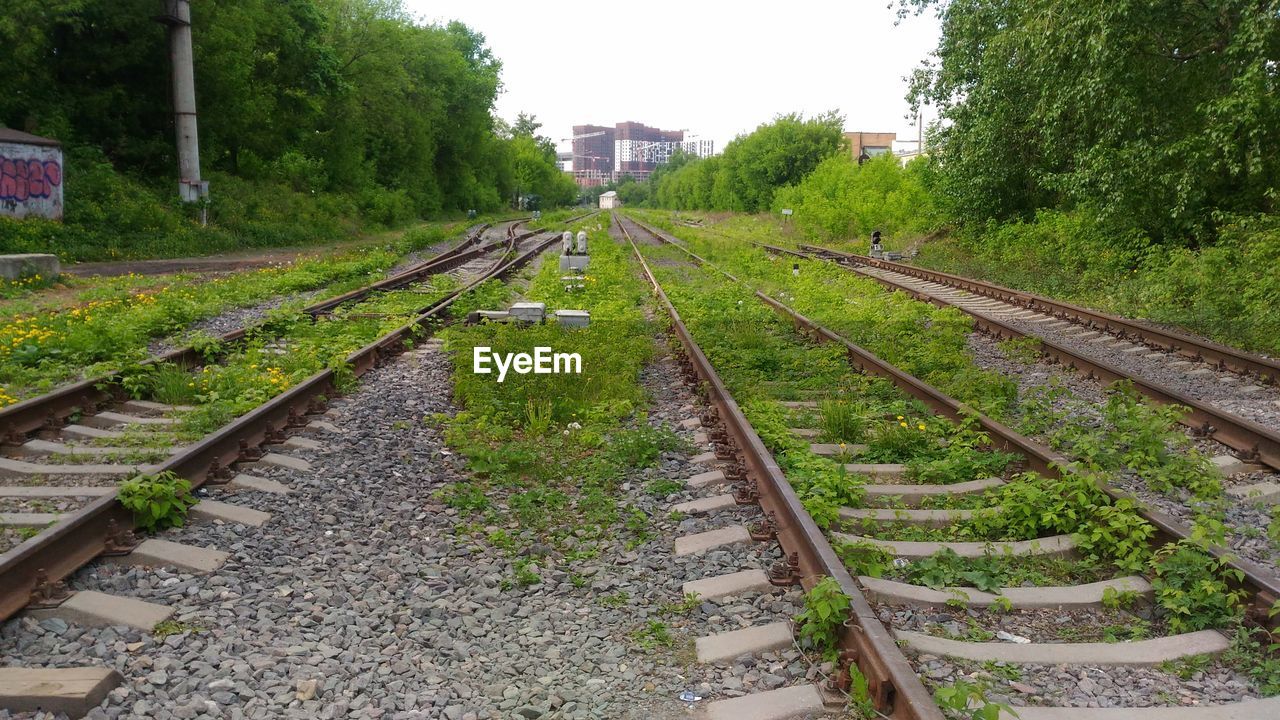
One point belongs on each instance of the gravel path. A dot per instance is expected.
(362, 590)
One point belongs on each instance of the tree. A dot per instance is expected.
(1152, 115)
(752, 167)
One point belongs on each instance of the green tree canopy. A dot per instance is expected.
(1154, 115)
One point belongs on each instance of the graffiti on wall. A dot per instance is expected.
(30, 181)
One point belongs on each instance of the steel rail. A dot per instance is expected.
(39, 564)
(446, 261)
(48, 411)
(892, 683)
(1262, 587)
(1217, 354)
(1249, 439)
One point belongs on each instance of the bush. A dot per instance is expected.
(841, 199)
(1226, 290)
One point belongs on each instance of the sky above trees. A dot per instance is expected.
(718, 69)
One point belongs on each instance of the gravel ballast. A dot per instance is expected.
(361, 598)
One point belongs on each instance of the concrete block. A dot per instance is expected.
(879, 471)
(1248, 709)
(705, 458)
(701, 480)
(788, 703)
(1229, 465)
(17, 267)
(747, 641)
(145, 407)
(48, 491)
(260, 484)
(797, 404)
(212, 510)
(1073, 597)
(691, 423)
(573, 318)
(154, 552)
(806, 433)
(731, 585)
(920, 518)
(701, 438)
(31, 520)
(302, 443)
(11, 468)
(914, 495)
(833, 449)
(534, 312)
(705, 505)
(322, 425)
(285, 461)
(110, 419)
(84, 432)
(1140, 653)
(574, 262)
(704, 541)
(1263, 492)
(1053, 546)
(95, 609)
(73, 690)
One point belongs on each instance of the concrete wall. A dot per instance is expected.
(30, 181)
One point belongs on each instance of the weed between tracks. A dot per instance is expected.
(548, 453)
(753, 349)
(114, 320)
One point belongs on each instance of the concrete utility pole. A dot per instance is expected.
(177, 16)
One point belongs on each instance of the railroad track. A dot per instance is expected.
(896, 507)
(66, 424)
(1242, 416)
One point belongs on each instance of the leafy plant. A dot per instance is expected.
(1193, 588)
(963, 699)
(826, 608)
(157, 501)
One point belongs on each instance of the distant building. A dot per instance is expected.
(870, 144)
(30, 176)
(609, 200)
(602, 154)
(565, 161)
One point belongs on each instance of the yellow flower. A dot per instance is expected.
(902, 424)
(900, 417)
(921, 426)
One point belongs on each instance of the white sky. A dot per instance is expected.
(716, 69)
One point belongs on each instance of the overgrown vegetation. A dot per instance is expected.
(751, 168)
(317, 118)
(157, 501)
(553, 449)
(112, 325)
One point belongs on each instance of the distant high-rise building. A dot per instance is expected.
(601, 154)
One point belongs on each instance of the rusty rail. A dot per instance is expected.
(1222, 356)
(1263, 588)
(37, 566)
(51, 409)
(892, 683)
(1249, 439)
